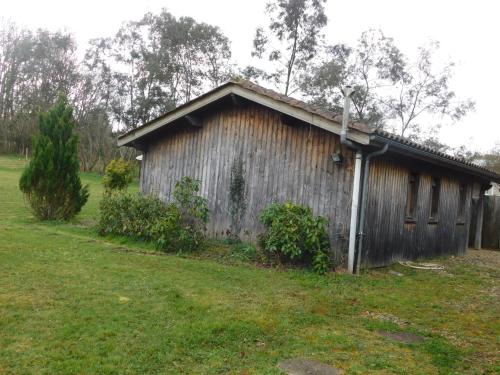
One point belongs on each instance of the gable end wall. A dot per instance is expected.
(281, 162)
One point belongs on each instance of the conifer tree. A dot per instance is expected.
(51, 181)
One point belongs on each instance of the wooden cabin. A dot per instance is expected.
(418, 201)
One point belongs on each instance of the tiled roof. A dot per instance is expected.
(407, 142)
(299, 104)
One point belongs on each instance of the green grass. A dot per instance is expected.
(72, 302)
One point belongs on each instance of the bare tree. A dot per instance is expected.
(423, 90)
(372, 66)
(291, 40)
(391, 91)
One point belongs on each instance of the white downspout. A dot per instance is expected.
(353, 228)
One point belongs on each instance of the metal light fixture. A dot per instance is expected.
(337, 157)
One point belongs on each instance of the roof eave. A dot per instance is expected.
(232, 88)
(181, 111)
(426, 155)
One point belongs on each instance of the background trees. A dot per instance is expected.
(145, 70)
(393, 92)
(157, 62)
(34, 68)
(161, 61)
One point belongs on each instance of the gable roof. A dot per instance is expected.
(358, 132)
(255, 93)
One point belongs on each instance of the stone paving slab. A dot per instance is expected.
(304, 366)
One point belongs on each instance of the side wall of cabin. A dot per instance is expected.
(282, 160)
(391, 236)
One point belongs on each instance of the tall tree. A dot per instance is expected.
(291, 40)
(164, 61)
(372, 66)
(424, 90)
(92, 101)
(148, 68)
(392, 92)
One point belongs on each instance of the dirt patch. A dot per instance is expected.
(483, 258)
(402, 337)
(303, 366)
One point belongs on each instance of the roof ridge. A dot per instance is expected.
(312, 108)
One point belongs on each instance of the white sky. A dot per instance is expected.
(468, 31)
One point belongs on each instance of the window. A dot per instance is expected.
(462, 199)
(412, 197)
(435, 188)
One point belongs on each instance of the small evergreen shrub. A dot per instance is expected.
(51, 181)
(177, 226)
(118, 175)
(294, 235)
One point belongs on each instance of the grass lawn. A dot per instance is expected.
(72, 302)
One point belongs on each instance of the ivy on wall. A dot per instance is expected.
(237, 196)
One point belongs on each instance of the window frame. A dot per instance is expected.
(434, 200)
(412, 191)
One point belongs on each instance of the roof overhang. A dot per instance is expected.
(231, 88)
(398, 147)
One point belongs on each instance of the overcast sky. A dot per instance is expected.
(468, 32)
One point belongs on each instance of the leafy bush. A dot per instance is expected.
(185, 227)
(118, 175)
(130, 215)
(177, 226)
(294, 235)
(193, 207)
(51, 181)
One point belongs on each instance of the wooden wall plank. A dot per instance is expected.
(389, 237)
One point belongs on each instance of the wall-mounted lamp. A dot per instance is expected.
(337, 157)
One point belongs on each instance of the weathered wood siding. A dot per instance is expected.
(491, 222)
(281, 162)
(389, 237)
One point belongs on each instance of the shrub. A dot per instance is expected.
(118, 174)
(192, 206)
(51, 181)
(130, 215)
(172, 234)
(190, 216)
(294, 235)
(177, 226)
